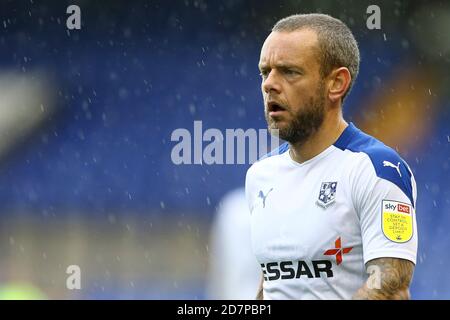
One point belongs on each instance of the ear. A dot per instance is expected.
(339, 83)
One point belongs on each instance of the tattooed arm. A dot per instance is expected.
(389, 280)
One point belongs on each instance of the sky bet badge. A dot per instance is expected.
(326, 194)
(397, 221)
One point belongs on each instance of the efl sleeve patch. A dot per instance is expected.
(397, 221)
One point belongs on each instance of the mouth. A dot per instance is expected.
(274, 108)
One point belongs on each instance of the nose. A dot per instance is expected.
(271, 83)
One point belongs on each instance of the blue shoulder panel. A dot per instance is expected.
(280, 150)
(387, 163)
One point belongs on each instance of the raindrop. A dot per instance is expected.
(111, 219)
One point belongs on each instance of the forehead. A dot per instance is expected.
(295, 47)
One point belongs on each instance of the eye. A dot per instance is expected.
(290, 72)
(264, 73)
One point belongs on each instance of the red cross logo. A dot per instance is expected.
(338, 251)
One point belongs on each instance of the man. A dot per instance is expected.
(233, 270)
(334, 204)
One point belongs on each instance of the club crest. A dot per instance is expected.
(327, 194)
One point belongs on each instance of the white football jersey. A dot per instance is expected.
(314, 225)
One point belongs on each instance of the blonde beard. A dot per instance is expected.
(305, 123)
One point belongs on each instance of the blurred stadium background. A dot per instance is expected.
(86, 117)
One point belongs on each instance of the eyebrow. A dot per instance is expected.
(262, 66)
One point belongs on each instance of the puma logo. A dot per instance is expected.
(390, 164)
(263, 197)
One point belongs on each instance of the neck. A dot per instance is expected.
(330, 130)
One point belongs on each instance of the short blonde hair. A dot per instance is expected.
(337, 45)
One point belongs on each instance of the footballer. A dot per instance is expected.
(333, 209)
